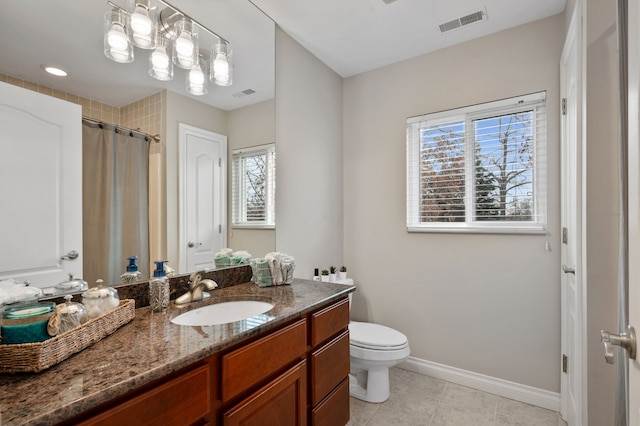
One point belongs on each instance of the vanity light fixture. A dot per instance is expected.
(172, 37)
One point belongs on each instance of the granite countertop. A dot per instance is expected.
(149, 348)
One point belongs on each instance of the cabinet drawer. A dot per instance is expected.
(282, 402)
(329, 321)
(329, 366)
(256, 361)
(183, 400)
(334, 410)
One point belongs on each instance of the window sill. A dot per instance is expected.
(475, 229)
(252, 226)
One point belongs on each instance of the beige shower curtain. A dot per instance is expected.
(115, 176)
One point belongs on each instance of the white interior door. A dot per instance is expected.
(571, 280)
(634, 203)
(203, 197)
(40, 186)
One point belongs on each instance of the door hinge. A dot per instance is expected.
(220, 162)
(219, 228)
(564, 106)
(565, 235)
(565, 361)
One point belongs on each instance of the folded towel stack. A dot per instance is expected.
(261, 272)
(227, 257)
(275, 269)
(12, 291)
(222, 259)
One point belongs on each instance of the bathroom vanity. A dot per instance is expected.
(289, 365)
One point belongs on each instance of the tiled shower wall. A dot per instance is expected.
(146, 115)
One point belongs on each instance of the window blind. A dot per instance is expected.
(479, 168)
(253, 187)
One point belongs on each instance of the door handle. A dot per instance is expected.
(568, 270)
(190, 244)
(625, 340)
(70, 256)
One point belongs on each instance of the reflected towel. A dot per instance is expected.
(12, 291)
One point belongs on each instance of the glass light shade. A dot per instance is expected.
(196, 80)
(142, 22)
(160, 65)
(221, 64)
(185, 46)
(117, 41)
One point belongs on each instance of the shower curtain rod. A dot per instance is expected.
(147, 136)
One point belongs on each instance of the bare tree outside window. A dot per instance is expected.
(255, 187)
(502, 173)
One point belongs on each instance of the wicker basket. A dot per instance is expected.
(35, 357)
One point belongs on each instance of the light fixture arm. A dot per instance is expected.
(110, 3)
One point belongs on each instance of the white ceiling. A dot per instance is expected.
(354, 36)
(350, 36)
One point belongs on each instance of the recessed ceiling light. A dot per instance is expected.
(57, 71)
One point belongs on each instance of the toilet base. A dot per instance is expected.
(370, 385)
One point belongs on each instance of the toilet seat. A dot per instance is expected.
(377, 337)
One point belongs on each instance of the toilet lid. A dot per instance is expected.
(375, 336)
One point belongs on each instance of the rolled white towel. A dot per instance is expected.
(274, 259)
(243, 254)
(224, 252)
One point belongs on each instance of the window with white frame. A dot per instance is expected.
(254, 187)
(480, 168)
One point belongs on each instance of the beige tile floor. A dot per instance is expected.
(422, 400)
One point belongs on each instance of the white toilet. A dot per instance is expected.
(374, 349)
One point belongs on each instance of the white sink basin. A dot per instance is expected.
(223, 312)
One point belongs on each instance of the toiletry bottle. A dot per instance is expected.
(159, 288)
(132, 275)
(316, 275)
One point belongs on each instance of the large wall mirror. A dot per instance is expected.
(70, 34)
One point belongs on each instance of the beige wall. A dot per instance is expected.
(602, 211)
(250, 126)
(309, 158)
(485, 303)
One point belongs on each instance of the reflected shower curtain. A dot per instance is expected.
(115, 176)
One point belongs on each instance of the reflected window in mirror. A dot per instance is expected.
(254, 187)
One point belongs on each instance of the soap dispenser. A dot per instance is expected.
(132, 275)
(159, 288)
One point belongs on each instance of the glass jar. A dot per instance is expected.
(27, 323)
(72, 284)
(100, 299)
(70, 315)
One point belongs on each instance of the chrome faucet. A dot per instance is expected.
(196, 287)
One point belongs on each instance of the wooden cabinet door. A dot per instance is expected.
(282, 402)
(184, 400)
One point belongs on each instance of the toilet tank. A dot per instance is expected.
(346, 281)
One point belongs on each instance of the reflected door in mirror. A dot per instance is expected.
(41, 187)
(203, 203)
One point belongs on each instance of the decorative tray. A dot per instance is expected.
(35, 357)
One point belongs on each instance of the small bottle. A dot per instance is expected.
(159, 288)
(316, 275)
(132, 275)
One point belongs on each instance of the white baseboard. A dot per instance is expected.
(523, 393)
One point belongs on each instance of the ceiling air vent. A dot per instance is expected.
(462, 21)
(244, 93)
